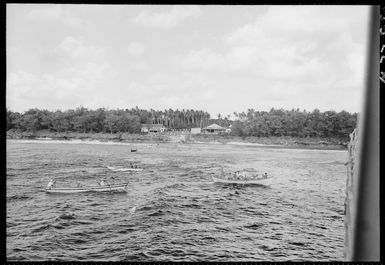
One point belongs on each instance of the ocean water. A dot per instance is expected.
(172, 211)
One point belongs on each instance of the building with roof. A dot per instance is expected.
(195, 130)
(214, 129)
(152, 128)
(228, 130)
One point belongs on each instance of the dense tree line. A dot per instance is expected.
(296, 123)
(102, 120)
(276, 122)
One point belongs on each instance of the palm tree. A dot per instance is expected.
(193, 117)
(172, 116)
(220, 119)
(183, 117)
(151, 115)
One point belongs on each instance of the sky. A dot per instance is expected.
(217, 58)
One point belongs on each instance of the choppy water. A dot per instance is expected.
(172, 211)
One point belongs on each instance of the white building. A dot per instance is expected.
(195, 130)
(155, 128)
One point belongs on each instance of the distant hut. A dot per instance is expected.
(214, 129)
(154, 128)
(195, 130)
(144, 128)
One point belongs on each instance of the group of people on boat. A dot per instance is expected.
(52, 184)
(242, 175)
(237, 175)
(101, 182)
(133, 165)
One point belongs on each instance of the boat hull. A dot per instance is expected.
(124, 169)
(258, 181)
(107, 188)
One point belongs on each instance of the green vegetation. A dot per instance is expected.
(295, 123)
(274, 123)
(102, 120)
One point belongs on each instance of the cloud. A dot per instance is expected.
(54, 13)
(139, 66)
(135, 49)
(13, 50)
(160, 90)
(290, 56)
(237, 58)
(307, 44)
(80, 78)
(26, 90)
(281, 57)
(86, 86)
(166, 19)
(78, 49)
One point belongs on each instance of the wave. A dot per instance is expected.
(146, 208)
(180, 214)
(295, 243)
(18, 197)
(175, 186)
(133, 210)
(192, 205)
(41, 228)
(72, 141)
(212, 142)
(67, 216)
(251, 144)
(159, 212)
(332, 162)
(267, 248)
(139, 256)
(254, 226)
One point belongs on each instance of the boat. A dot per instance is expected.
(249, 181)
(116, 169)
(134, 149)
(121, 187)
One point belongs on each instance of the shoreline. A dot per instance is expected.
(182, 137)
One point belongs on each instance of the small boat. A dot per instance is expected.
(251, 181)
(116, 169)
(121, 187)
(134, 149)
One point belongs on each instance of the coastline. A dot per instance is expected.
(179, 137)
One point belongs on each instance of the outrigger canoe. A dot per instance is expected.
(107, 188)
(124, 169)
(252, 181)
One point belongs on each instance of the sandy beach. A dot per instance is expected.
(129, 139)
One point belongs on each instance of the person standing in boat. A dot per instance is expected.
(102, 183)
(51, 184)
